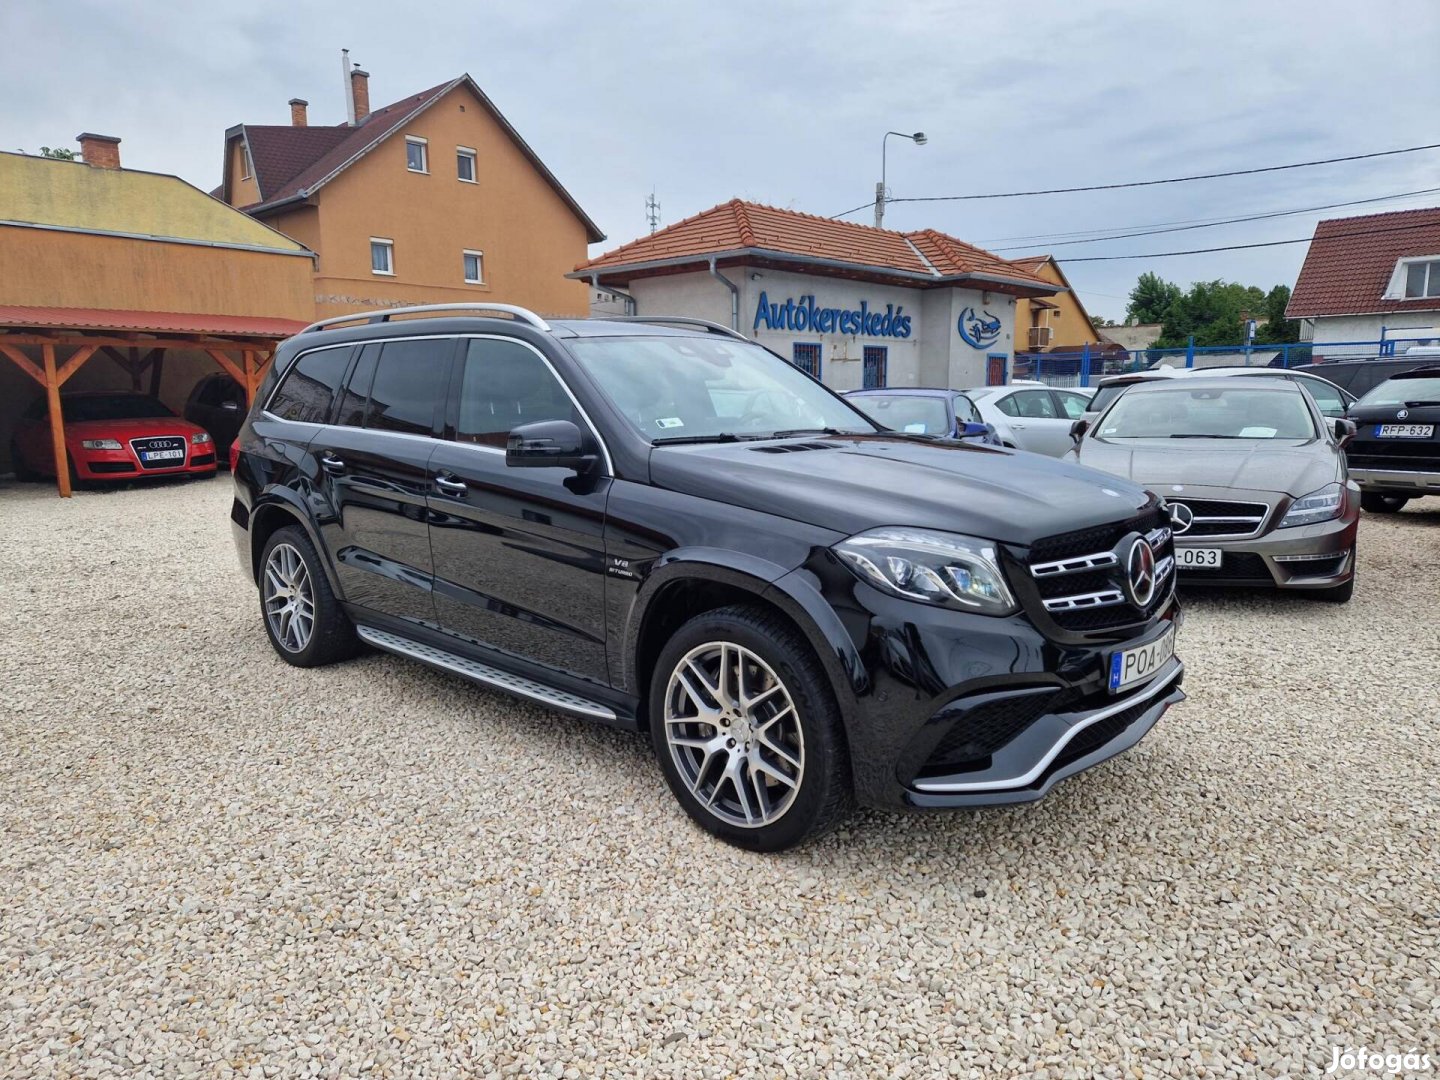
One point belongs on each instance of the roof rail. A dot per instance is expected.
(679, 320)
(384, 315)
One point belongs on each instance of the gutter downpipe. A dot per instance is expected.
(632, 305)
(734, 294)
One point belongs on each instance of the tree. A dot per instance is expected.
(1151, 299)
(1277, 330)
(58, 152)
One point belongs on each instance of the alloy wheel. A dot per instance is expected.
(734, 734)
(289, 598)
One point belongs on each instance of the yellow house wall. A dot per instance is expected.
(528, 234)
(1071, 327)
(47, 268)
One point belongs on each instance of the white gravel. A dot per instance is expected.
(214, 864)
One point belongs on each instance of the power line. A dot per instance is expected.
(862, 206)
(1244, 247)
(1154, 183)
(1213, 223)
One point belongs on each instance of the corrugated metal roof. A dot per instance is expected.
(150, 322)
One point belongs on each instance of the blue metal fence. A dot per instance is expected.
(1089, 364)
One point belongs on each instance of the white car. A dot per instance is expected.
(1031, 416)
(1333, 401)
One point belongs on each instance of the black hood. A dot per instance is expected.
(851, 483)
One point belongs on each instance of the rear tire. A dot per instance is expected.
(1379, 502)
(302, 617)
(23, 471)
(747, 731)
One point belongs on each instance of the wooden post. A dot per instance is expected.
(57, 421)
(156, 371)
(251, 377)
(134, 369)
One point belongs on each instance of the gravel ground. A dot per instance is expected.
(215, 864)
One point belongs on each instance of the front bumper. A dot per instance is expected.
(1319, 556)
(1398, 481)
(125, 464)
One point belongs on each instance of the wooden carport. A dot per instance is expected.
(68, 338)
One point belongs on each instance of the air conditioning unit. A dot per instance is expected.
(1039, 337)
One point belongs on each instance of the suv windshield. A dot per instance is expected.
(687, 388)
(1211, 413)
(1402, 391)
(119, 407)
(906, 412)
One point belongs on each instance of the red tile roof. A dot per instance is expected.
(1351, 260)
(149, 322)
(291, 162)
(738, 226)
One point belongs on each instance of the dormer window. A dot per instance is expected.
(1422, 278)
(247, 168)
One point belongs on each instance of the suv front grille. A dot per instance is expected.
(1079, 576)
(1417, 455)
(1217, 518)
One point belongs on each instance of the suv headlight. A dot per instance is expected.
(1318, 506)
(100, 444)
(932, 567)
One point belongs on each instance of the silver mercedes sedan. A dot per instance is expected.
(1253, 472)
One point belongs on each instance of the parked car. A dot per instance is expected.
(1108, 389)
(662, 526)
(217, 404)
(111, 436)
(1395, 456)
(917, 410)
(1333, 400)
(1253, 473)
(1031, 417)
(1359, 377)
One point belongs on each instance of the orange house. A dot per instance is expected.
(433, 199)
(1057, 322)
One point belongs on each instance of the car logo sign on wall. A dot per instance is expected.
(979, 330)
(1181, 518)
(1140, 573)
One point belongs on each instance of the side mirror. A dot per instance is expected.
(971, 430)
(1078, 429)
(1344, 431)
(547, 444)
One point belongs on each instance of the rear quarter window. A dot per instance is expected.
(307, 391)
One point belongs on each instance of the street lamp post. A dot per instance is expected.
(881, 194)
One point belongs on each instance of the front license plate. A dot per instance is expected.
(1404, 431)
(1188, 556)
(1136, 665)
(162, 455)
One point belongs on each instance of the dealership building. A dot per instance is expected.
(854, 305)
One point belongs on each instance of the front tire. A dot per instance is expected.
(747, 732)
(1379, 502)
(22, 469)
(302, 617)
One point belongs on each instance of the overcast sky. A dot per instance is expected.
(786, 103)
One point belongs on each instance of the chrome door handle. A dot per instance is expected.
(331, 464)
(450, 487)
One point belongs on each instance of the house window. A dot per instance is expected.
(876, 358)
(382, 256)
(806, 356)
(465, 164)
(417, 157)
(1422, 279)
(474, 267)
(247, 167)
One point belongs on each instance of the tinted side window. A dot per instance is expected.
(1327, 397)
(1073, 404)
(411, 378)
(504, 385)
(308, 389)
(965, 410)
(1008, 405)
(1035, 404)
(357, 389)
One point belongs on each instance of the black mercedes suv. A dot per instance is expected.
(660, 525)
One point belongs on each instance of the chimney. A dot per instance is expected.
(99, 151)
(297, 112)
(360, 94)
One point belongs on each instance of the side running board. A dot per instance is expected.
(485, 674)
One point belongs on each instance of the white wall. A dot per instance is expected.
(1367, 328)
(698, 296)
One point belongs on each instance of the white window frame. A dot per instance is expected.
(424, 145)
(479, 262)
(474, 156)
(1396, 291)
(247, 166)
(389, 246)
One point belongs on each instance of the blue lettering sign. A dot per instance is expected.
(979, 330)
(804, 315)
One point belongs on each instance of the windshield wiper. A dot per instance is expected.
(672, 440)
(790, 433)
(1199, 435)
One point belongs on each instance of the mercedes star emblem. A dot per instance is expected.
(1140, 573)
(1181, 518)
